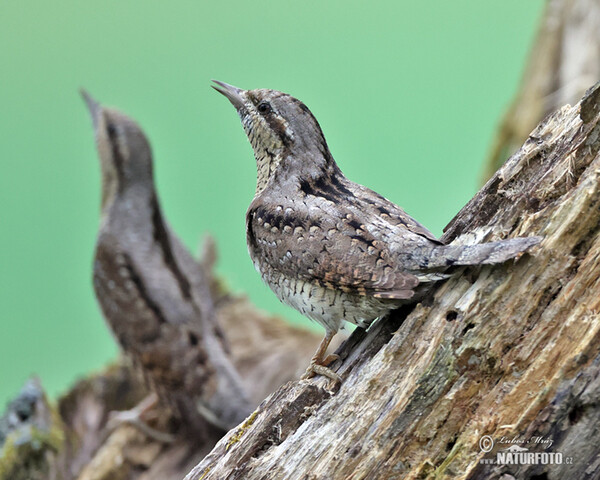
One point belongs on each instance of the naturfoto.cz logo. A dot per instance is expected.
(518, 455)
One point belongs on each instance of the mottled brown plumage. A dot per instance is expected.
(331, 248)
(153, 294)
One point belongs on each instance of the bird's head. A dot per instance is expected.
(278, 126)
(124, 151)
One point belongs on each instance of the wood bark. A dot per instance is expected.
(509, 351)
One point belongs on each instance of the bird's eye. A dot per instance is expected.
(264, 107)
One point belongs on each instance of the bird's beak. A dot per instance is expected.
(234, 94)
(93, 106)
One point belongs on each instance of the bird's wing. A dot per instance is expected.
(390, 212)
(336, 251)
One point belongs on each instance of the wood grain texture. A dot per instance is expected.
(505, 351)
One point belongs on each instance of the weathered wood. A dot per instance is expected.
(506, 351)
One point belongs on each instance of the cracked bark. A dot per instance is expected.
(507, 351)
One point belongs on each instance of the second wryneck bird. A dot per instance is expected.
(154, 295)
(330, 248)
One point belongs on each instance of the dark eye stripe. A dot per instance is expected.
(111, 130)
(277, 124)
(117, 157)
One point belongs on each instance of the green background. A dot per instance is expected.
(407, 93)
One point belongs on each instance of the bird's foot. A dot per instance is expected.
(323, 369)
(134, 417)
(329, 359)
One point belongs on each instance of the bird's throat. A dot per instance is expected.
(266, 165)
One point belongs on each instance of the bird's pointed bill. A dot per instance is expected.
(233, 94)
(93, 106)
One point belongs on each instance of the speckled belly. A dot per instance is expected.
(326, 306)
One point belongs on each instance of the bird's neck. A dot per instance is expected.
(301, 164)
(110, 190)
(266, 166)
(134, 205)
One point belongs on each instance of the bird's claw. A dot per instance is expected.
(317, 369)
(329, 359)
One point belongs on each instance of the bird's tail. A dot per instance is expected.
(446, 256)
